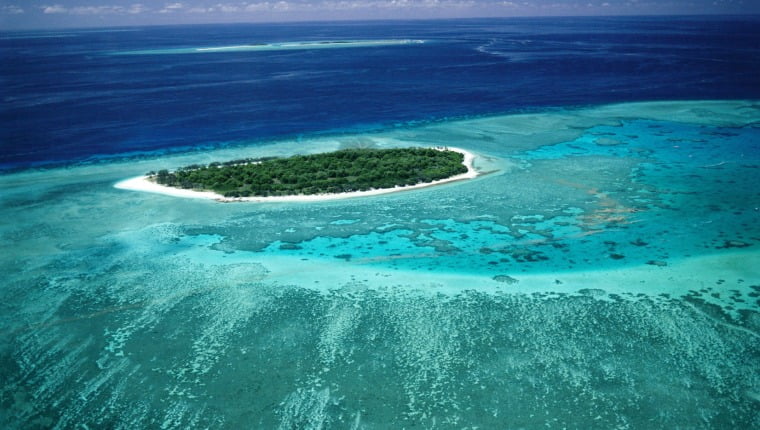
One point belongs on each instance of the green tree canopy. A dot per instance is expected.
(340, 171)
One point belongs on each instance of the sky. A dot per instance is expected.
(41, 14)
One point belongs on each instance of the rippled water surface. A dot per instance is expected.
(71, 97)
(603, 273)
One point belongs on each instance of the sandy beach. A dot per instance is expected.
(141, 183)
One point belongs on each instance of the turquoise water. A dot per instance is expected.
(602, 273)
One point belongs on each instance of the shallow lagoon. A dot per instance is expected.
(603, 274)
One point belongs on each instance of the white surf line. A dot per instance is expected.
(279, 46)
(142, 183)
(307, 45)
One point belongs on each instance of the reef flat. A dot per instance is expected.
(605, 275)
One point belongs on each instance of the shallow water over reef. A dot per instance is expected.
(604, 273)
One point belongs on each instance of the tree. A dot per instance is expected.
(345, 170)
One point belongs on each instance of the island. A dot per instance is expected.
(338, 174)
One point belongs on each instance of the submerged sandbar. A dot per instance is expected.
(147, 183)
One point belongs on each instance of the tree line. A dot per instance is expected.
(347, 170)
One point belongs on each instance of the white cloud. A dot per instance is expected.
(342, 5)
(11, 10)
(137, 8)
(56, 8)
(280, 6)
(172, 7)
(258, 7)
(97, 10)
(133, 9)
(227, 8)
(264, 6)
(392, 4)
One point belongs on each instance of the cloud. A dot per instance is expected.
(237, 9)
(227, 8)
(273, 6)
(257, 7)
(56, 8)
(11, 10)
(137, 8)
(133, 9)
(349, 5)
(172, 7)
(395, 4)
(277, 6)
(97, 10)
(220, 7)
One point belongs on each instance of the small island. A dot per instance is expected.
(343, 173)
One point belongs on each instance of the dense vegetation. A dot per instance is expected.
(334, 172)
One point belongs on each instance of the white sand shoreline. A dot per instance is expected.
(141, 183)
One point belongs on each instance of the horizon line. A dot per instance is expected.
(99, 26)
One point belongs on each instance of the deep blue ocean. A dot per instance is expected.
(67, 98)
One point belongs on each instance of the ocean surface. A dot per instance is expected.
(72, 96)
(602, 273)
